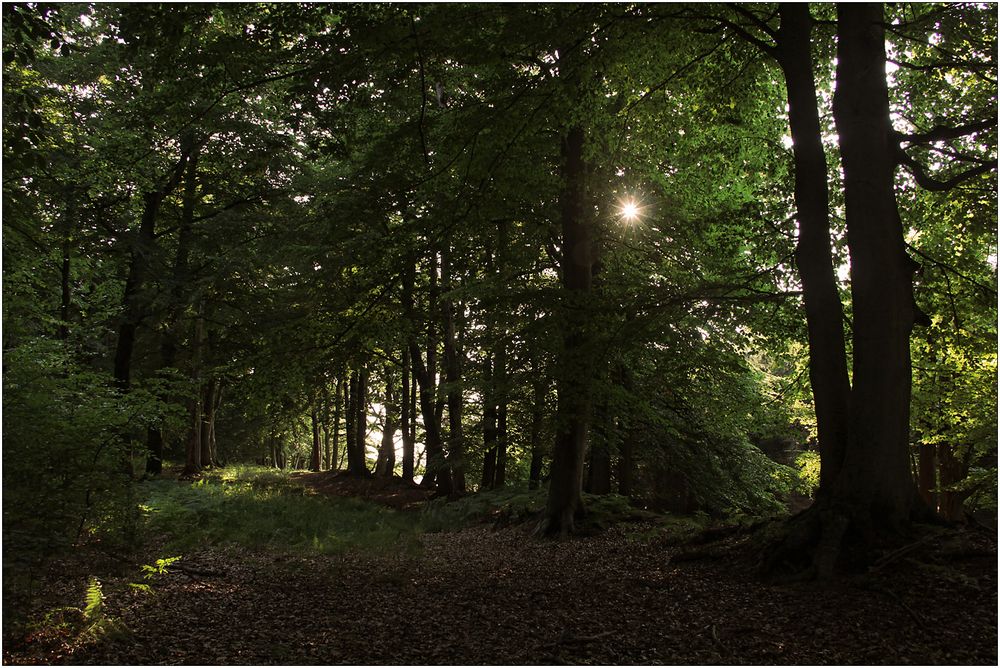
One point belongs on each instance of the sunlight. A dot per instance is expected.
(629, 210)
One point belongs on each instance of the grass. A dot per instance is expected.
(262, 508)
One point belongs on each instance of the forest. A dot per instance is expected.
(488, 333)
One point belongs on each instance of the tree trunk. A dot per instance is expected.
(927, 473)
(350, 413)
(500, 382)
(876, 483)
(406, 418)
(453, 376)
(572, 381)
(489, 424)
(626, 464)
(193, 461)
(317, 450)
(386, 462)
(436, 470)
(599, 471)
(537, 421)
(334, 452)
(821, 297)
(207, 417)
(356, 463)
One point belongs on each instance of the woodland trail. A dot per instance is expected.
(483, 596)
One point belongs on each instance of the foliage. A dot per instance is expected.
(66, 450)
(807, 464)
(262, 508)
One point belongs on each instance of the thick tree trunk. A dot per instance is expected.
(573, 376)
(873, 495)
(824, 312)
(875, 483)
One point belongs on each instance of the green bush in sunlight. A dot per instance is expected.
(260, 507)
(807, 464)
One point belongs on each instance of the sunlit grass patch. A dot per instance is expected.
(262, 508)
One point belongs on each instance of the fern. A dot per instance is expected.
(93, 601)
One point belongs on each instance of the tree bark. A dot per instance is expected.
(489, 424)
(193, 461)
(824, 312)
(207, 418)
(387, 448)
(572, 382)
(406, 418)
(537, 422)
(316, 459)
(875, 483)
(453, 376)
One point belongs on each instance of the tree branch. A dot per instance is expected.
(943, 133)
(928, 182)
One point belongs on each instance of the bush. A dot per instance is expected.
(261, 507)
(65, 459)
(807, 464)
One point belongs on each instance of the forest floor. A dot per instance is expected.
(484, 595)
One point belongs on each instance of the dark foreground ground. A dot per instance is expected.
(483, 596)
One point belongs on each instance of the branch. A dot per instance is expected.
(985, 288)
(928, 182)
(943, 133)
(423, 92)
(757, 21)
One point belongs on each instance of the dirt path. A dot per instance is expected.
(500, 597)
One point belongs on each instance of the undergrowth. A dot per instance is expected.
(262, 508)
(516, 505)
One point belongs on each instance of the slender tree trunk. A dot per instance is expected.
(573, 381)
(824, 312)
(176, 293)
(537, 422)
(350, 414)
(406, 418)
(335, 451)
(66, 294)
(193, 461)
(453, 376)
(489, 424)
(626, 465)
(927, 474)
(315, 460)
(387, 448)
(500, 376)
(436, 466)
(207, 418)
